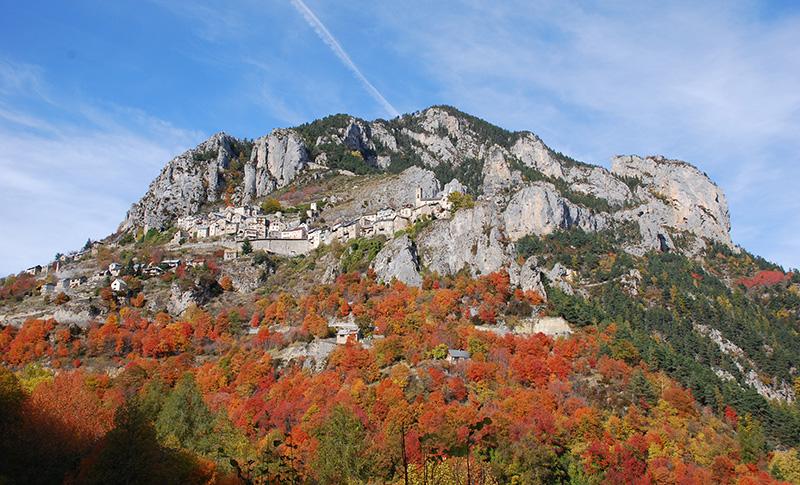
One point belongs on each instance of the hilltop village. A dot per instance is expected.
(295, 234)
(271, 228)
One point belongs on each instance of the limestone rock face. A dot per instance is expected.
(679, 196)
(357, 136)
(179, 300)
(278, 158)
(471, 239)
(528, 276)
(453, 186)
(539, 209)
(497, 174)
(398, 260)
(186, 182)
(531, 151)
(441, 136)
(599, 182)
(383, 136)
(663, 197)
(561, 277)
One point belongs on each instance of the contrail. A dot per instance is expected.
(331, 41)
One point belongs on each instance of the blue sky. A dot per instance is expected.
(96, 96)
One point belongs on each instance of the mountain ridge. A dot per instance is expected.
(441, 139)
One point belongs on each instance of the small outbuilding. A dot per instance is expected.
(455, 355)
(344, 335)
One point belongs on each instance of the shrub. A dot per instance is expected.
(271, 206)
(359, 253)
(460, 201)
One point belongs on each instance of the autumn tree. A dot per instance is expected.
(785, 465)
(271, 205)
(61, 298)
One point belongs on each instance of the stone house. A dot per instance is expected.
(387, 227)
(230, 254)
(316, 237)
(202, 232)
(348, 230)
(99, 276)
(298, 232)
(177, 238)
(119, 286)
(34, 270)
(171, 263)
(153, 271)
(77, 281)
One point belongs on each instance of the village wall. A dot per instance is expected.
(282, 247)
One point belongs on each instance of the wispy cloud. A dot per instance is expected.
(71, 171)
(213, 22)
(337, 49)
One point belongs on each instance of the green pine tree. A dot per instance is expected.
(751, 439)
(340, 455)
(185, 421)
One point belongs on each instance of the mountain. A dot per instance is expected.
(666, 197)
(540, 318)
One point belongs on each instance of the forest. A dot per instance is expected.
(629, 397)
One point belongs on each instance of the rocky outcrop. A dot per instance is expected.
(561, 277)
(677, 196)
(453, 186)
(600, 183)
(527, 276)
(471, 239)
(357, 136)
(539, 209)
(382, 135)
(179, 300)
(184, 185)
(275, 161)
(531, 151)
(398, 260)
(391, 191)
(497, 174)
(197, 177)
